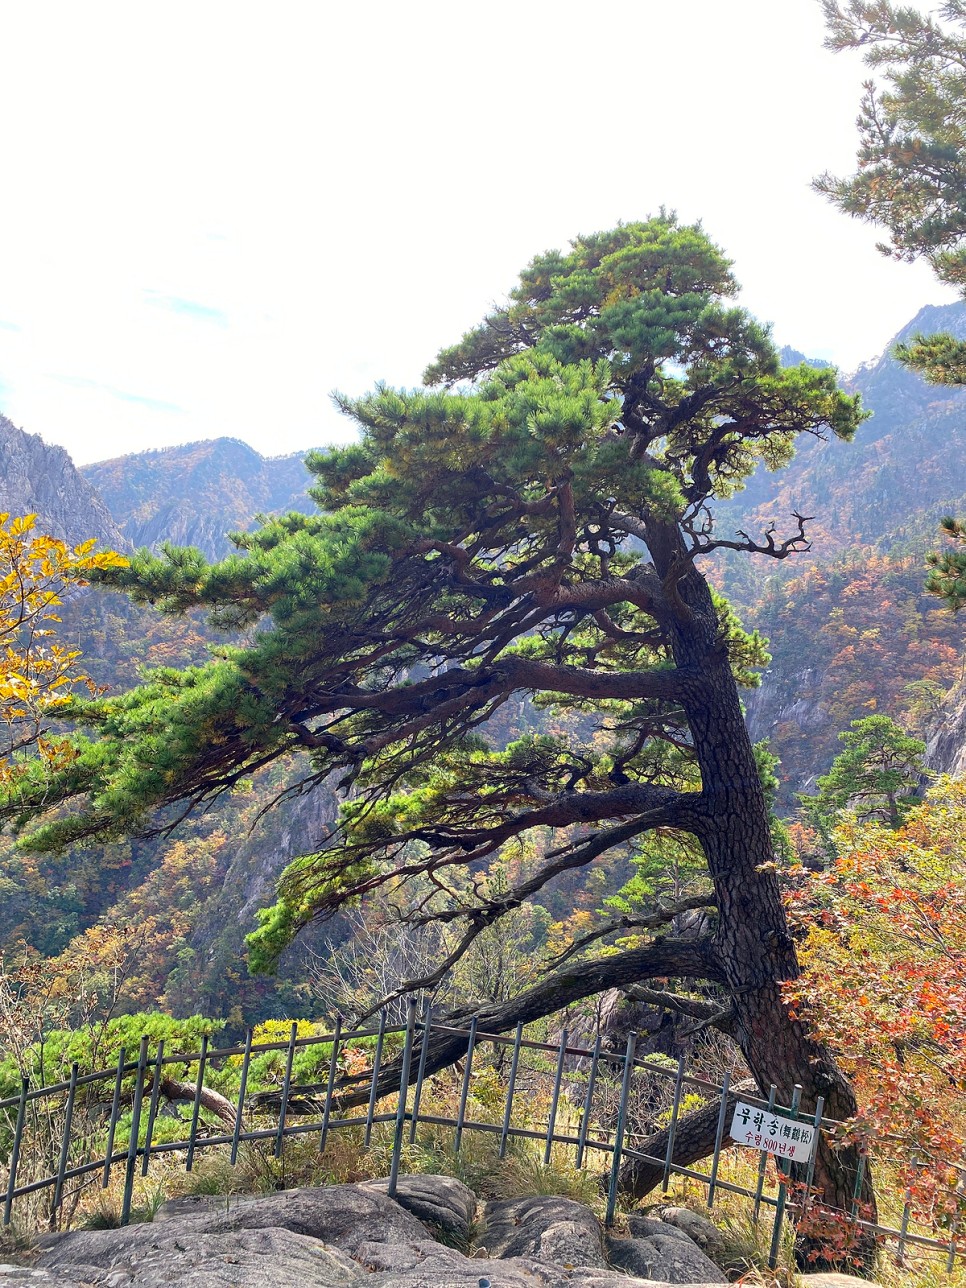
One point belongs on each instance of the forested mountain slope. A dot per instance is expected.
(193, 495)
(905, 468)
(851, 630)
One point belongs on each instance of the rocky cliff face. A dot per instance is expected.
(36, 478)
(946, 737)
(193, 495)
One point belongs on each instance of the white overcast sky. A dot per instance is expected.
(214, 214)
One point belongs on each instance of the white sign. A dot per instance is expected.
(783, 1137)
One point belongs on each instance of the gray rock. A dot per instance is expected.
(170, 1255)
(39, 478)
(665, 1256)
(345, 1216)
(309, 1236)
(697, 1227)
(514, 1272)
(443, 1203)
(551, 1229)
(644, 1227)
(344, 1236)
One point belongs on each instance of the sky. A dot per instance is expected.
(215, 214)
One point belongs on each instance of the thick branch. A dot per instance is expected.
(647, 921)
(676, 958)
(694, 1137)
(213, 1101)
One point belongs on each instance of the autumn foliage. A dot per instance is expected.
(884, 982)
(37, 674)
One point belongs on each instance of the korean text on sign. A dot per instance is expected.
(783, 1137)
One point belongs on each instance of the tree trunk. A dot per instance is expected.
(752, 945)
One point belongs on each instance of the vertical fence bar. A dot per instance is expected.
(906, 1209)
(196, 1104)
(672, 1125)
(615, 1166)
(242, 1088)
(112, 1125)
(15, 1150)
(132, 1145)
(65, 1142)
(153, 1107)
(776, 1232)
(421, 1071)
(286, 1083)
(954, 1226)
(763, 1162)
(813, 1157)
(558, 1079)
(330, 1083)
(857, 1187)
(376, 1062)
(718, 1137)
(510, 1089)
(465, 1088)
(588, 1099)
(407, 1060)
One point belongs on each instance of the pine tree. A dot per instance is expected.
(875, 776)
(532, 523)
(911, 178)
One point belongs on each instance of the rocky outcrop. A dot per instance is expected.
(356, 1235)
(37, 478)
(946, 737)
(551, 1229)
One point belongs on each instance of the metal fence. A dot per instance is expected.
(99, 1103)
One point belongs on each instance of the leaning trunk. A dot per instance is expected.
(753, 947)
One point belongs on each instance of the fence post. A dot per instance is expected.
(718, 1137)
(511, 1089)
(196, 1105)
(153, 1108)
(112, 1125)
(132, 1145)
(672, 1126)
(810, 1169)
(65, 1142)
(330, 1083)
(906, 1209)
(465, 1089)
(954, 1226)
(376, 1063)
(286, 1083)
(763, 1161)
(242, 1088)
(421, 1070)
(15, 1151)
(588, 1099)
(558, 1079)
(407, 1059)
(776, 1232)
(857, 1187)
(619, 1132)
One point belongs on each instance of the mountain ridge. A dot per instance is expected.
(194, 494)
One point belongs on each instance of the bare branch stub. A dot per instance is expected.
(703, 543)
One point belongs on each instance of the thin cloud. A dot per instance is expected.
(123, 395)
(187, 308)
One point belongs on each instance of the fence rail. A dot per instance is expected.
(614, 1140)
